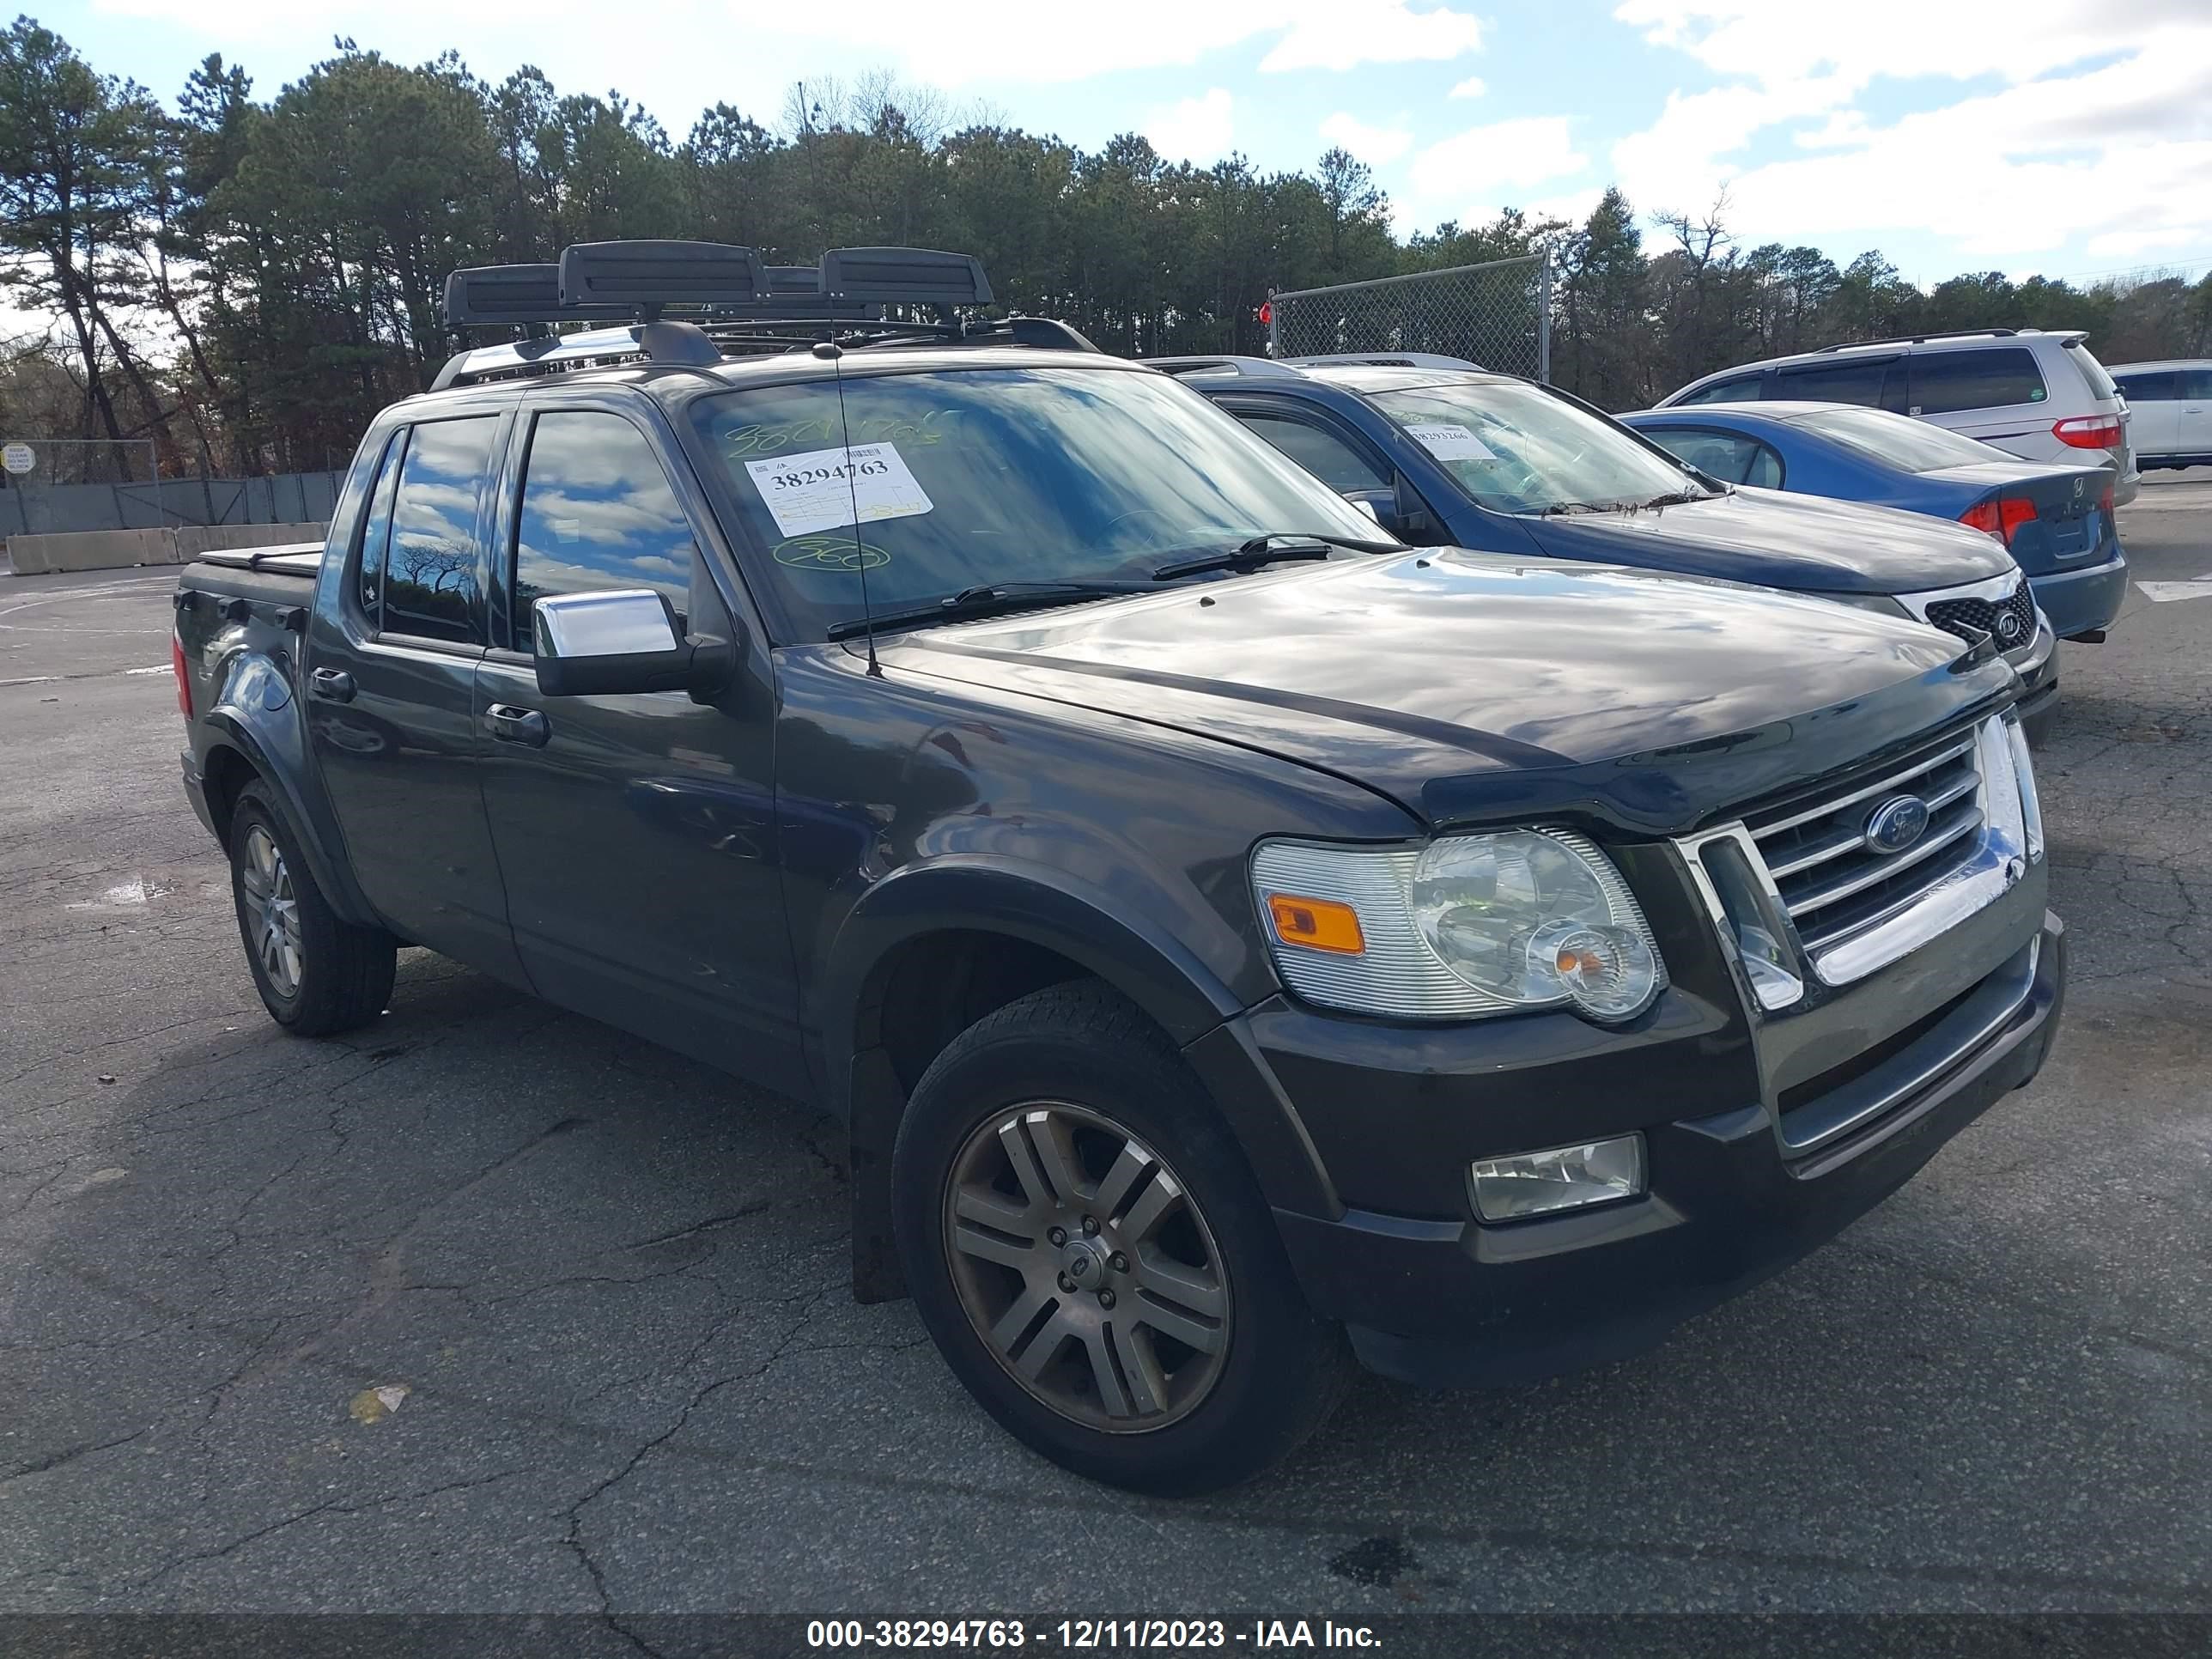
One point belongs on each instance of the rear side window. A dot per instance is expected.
(1326, 456)
(376, 530)
(1846, 381)
(1737, 389)
(1946, 382)
(2161, 386)
(2196, 383)
(431, 588)
(2099, 379)
(598, 513)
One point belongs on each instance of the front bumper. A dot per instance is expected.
(2082, 601)
(1736, 1194)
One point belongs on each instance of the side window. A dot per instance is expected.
(1946, 382)
(2196, 383)
(376, 530)
(597, 512)
(1846, 381)
(430, 585)
(1324, 455)
(2158, 386)
(1729, 456)
(1739, 389)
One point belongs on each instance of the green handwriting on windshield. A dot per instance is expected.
(824, 550)
(776, 437)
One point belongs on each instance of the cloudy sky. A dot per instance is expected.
(2070, 136)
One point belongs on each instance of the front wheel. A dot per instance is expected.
(316, 974)
(1089, 1248)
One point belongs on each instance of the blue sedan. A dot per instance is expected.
(2055, 518)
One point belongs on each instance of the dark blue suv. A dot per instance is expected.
(1448, 454)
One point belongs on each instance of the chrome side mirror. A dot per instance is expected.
(622, 640)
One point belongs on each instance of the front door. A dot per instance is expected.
(390, 695)
(636, 833)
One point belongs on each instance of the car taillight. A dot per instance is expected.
(184, 678)
(2090, 431)
(1999, 518)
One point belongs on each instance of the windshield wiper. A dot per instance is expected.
(1276, 547)
(995, 598)
(1682, 498)
(1557, 508)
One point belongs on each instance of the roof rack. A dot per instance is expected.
(1228, 363)
(1939, 334)
(1383, 360)
(730, 297)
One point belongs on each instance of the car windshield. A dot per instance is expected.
(1516, 448)
(1898, 441)
(968, 478)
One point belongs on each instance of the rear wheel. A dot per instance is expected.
(1092, 1256)
(316, 974)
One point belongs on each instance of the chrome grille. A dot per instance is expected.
(1831, 879)
(1967, 618)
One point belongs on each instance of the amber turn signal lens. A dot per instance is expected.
(1317, 923)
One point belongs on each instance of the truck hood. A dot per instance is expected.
(1466, 685)
(1805, 543)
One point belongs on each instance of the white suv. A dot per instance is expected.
(2043, 397)
(2170, 406)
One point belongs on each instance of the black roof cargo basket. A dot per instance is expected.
(501, 296)
(732, 302)
(904, 275)
(647, 275)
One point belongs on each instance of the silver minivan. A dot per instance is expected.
(2040, 395)
(2170, 406)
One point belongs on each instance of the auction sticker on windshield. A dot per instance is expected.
(825, 489)
(1449, 442)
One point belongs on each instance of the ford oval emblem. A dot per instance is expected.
(1896, 825)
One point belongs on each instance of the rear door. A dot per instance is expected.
(391, 695)
(1995, 394)
(2153, 397)
(2193, 432)
(636, 833)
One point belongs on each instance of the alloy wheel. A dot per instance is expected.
(1086, 1268)
(272, 912)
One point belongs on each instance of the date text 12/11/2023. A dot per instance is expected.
(1083, 1635)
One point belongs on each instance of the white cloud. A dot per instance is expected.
(1473, 86)
(1374, 145)
(2119, 155)
(1200, 129)
(1345, 32)
(1504, 156)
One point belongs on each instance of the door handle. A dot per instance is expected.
(332, 683)
(525, 725)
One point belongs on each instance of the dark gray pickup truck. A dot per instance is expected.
(1234, 943)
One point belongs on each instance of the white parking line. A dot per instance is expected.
(2200, 589)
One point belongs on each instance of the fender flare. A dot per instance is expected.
(975, 893)
(265, 729)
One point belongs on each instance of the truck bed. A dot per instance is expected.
(276, 576)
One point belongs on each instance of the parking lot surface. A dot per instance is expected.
(494, 1309)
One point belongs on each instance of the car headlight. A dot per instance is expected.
(1469, 925)
(1887, 604)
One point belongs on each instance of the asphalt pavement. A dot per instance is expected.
(494, 1309)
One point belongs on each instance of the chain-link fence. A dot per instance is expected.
(1498, 314)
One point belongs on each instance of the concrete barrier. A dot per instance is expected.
(116, 550)
(91, 550)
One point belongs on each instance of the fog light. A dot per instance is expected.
(1564, 1178)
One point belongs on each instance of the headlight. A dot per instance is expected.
(1468, 925)
(1889, 605)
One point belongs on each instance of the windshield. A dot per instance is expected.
(1899, 441)
(1516, 448)
(967, 478)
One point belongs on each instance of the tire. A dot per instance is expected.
(316, 974)
(1068, 1075)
